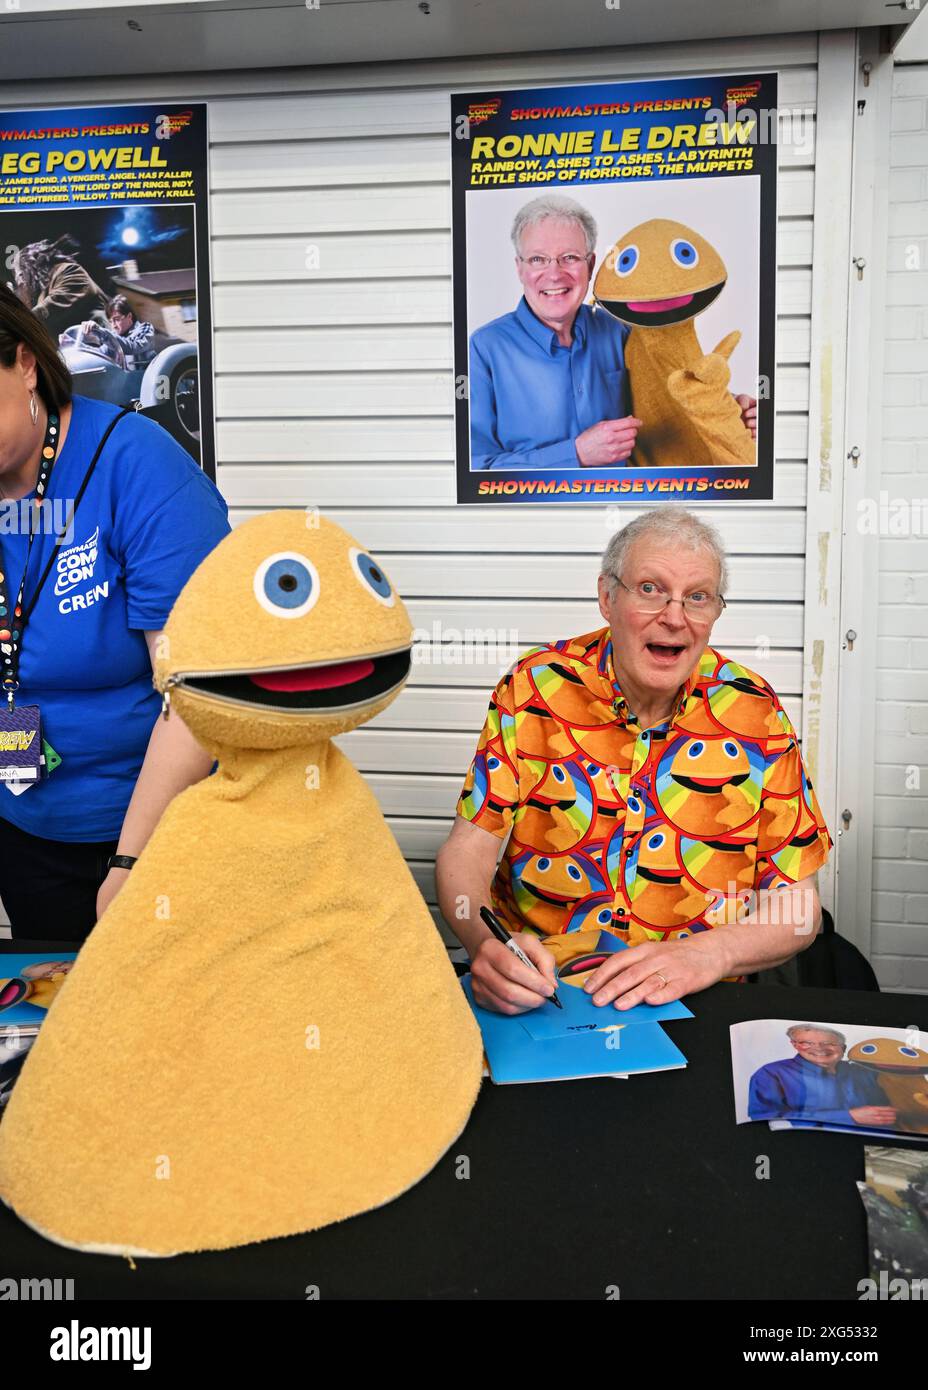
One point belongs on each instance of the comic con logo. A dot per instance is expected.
(75, 567)
(739, 96)
(166, 126)
(481, 111)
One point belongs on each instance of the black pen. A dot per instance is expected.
(501, 934)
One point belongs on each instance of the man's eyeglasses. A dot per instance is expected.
(569, 261)
(648, 597)
(818, 1047)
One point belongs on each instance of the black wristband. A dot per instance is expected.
(120, 861)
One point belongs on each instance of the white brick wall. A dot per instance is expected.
(900, 848)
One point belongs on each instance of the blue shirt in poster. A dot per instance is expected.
(799, 1090)
(148, 517)
(530, 397)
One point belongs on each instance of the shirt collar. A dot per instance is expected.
(545, 337)
(605, 670)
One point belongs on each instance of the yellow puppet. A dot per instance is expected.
(657, 278)
(294, 1047)
(902, 1070)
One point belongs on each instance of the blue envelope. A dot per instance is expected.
(515, 1056)
(579, 1014)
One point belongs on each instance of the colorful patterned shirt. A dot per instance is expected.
(649, 833)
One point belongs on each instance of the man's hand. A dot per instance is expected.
(632, 977)
(748, 414)
(611, 441)
(502, 983)
(109, 888)
(873, 1115)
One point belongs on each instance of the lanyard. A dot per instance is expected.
(11, 637)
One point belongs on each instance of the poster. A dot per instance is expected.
(600, 360)
(105, 235)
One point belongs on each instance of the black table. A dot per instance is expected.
(646, 1188)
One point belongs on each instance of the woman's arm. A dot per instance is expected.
(174, 760)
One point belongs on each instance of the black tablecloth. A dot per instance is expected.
(646, 1188)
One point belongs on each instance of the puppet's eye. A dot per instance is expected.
(909, 1051)
(372, 577)
(731, 749)
(656, 841)
(695, 750)
(684, 252)
(286, 585)
(868, 1049)
(626, 260)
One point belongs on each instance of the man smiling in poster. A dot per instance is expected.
(548, 384)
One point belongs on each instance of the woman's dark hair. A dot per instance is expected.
(20, 325)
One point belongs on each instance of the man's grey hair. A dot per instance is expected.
(814, 1028)
(669, 526)
(554, 205)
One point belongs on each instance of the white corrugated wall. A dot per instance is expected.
(900, 847)
(334, 385)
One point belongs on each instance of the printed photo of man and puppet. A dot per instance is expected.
(614, 291)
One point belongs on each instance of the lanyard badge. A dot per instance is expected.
(20, 745)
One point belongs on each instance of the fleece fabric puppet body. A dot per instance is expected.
(657, 278)
(263, 1034)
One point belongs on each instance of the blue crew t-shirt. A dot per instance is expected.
(148, 517)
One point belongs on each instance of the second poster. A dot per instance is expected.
(614, 291)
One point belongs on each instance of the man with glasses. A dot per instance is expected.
(547, 385)
(817, 1085)
(644, 784)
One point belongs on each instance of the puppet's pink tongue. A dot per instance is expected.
(315, 677)
(657, 306)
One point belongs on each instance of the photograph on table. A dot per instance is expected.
(797, 1073)
(28, 986)
(895, 1196)
(614, 291)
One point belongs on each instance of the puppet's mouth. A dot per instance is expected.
(708, 785)
(544, 897)
(659, 306)
(13, 992)
(576, 971)
(321, 687)
(340, 673)
(657, 876)
(582, 965)
(658, 313)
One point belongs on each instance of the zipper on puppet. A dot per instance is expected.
(179, 679)
(166, 696)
